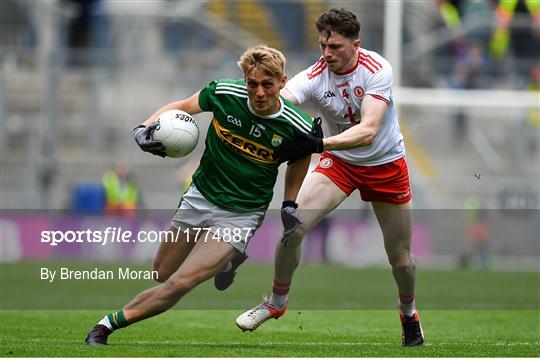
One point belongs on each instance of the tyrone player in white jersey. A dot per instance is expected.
(351, 90)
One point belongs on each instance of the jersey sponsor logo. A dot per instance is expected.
(329, 94)
(276, 140)
(346, 83)
(359, 91)
(234, 121)
(326, 163)
(244, 146)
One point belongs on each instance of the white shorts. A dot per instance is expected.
(195, 213)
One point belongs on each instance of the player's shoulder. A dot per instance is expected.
(315, 71)
(296, 117)
(372, 61)
(230, 87)
(238, 82)
(290, 107)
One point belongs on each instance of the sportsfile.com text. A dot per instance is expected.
(118, 235)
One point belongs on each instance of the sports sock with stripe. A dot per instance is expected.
(117, 320)
(280, 293)
(407, 304)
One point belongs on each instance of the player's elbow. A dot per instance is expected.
(370, 137)
(368, 140)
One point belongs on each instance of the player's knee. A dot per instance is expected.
(163, 274)
(296, 238)
(402, 261)
(300, 233)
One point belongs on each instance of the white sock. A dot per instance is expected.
(278, 301)
(105, 321)
(408, 309)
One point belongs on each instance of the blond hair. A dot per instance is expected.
(266, 59)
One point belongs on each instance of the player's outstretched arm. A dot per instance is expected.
(143, 133)
(189, 105)
(289, 96)
(363, 134)
(304, 145)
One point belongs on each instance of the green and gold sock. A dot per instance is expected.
(117, 319)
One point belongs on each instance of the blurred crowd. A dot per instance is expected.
(479, 51)
(489, 37)
(486, 57)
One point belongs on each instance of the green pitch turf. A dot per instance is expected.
(334, 312)
(312, 333)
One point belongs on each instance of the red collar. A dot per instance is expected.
(350, 70)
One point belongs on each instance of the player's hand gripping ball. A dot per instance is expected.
(178, 131)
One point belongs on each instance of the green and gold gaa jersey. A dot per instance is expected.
(238, 170)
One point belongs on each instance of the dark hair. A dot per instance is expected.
(342, 21)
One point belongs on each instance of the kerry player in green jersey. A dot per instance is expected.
(232, 187)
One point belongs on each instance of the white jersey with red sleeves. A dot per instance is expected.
(337, 98)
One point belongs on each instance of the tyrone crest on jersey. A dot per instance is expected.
(359, 91)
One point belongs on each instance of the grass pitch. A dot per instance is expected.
(464, 314)
(311, 333)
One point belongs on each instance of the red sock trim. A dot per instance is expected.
(281, 288)
(406, 298)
